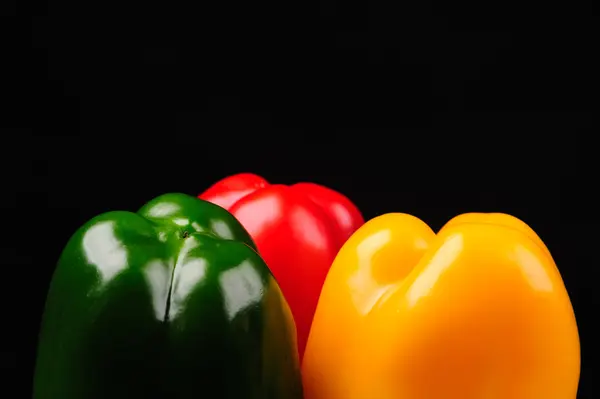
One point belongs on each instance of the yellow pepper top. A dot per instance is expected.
(478, 311)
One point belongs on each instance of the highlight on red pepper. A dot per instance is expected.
(298, 230)
(478, 310)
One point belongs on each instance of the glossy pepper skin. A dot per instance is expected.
(298, 230)
(477, 311)
(170, 302)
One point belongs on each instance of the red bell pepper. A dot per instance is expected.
(298, 230)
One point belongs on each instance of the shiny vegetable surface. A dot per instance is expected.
(477, 311)
(170, 302)
(298, 230)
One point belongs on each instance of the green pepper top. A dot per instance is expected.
(170, 302)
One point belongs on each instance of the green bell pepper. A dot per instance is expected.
(170, 302)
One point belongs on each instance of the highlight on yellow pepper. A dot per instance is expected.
(477, 311)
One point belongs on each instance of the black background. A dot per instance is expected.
(410, 109)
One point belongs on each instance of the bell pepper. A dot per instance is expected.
(478, 310)
(298, 230)
(170, 302)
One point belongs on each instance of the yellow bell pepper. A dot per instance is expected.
(478, 311)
